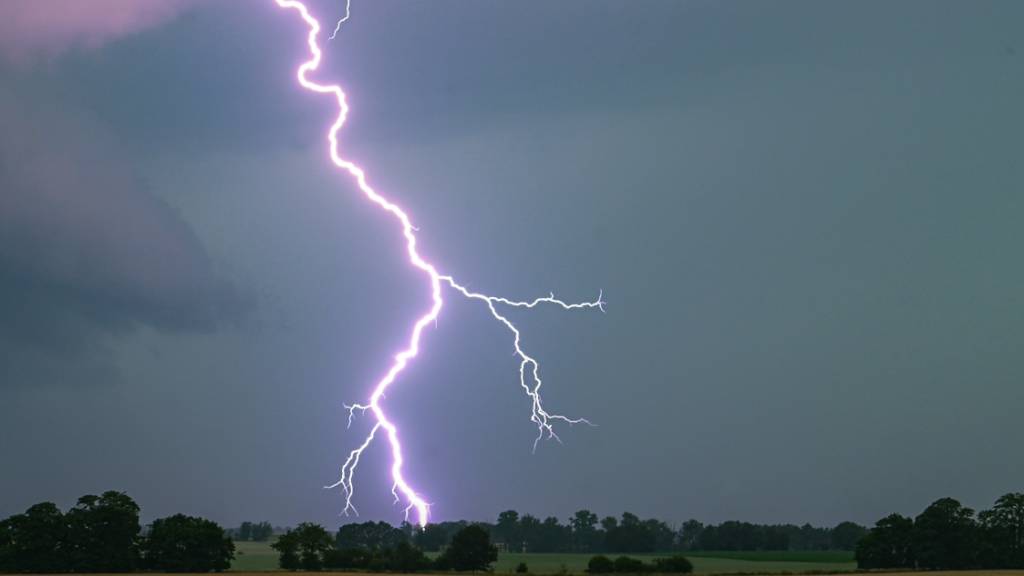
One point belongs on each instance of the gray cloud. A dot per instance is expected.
(84, 249)
(49, 27)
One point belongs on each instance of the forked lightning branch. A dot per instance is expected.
(529, 368)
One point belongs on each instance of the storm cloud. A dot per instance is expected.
(30, 27)
(805, 218)
(85, 249)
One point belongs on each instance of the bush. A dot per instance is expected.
(677, 564)
(521, 568)
(627, 565)
(600, 565)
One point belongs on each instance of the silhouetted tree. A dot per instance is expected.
(405, 558)
(660, 536)
(470, 550)
(34, 541)
(103, 532)
(846, 535)
(530, 532)
(887, 545)
(1003, 533)
(186, 544)
(584, 531)
(369, 535)
(287, 546)
(303, 547)
(629, 535)
(262, 531)
(506, 530)
(347, 558)
(552, 536)
(689, 534)
(945, 536)
(434, 537)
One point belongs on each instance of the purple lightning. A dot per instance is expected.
(529, 369)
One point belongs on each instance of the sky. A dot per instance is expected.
(804, 217)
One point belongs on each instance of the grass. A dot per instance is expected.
(259, 556)
(254, 557)
(703, 563)
(828, 556)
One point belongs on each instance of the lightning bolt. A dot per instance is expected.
(343, 19)
(529, 368)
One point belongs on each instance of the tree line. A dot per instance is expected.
(253, 532)
(380, 547)
(948, 536)
(629, 534)
(585, 532)
(102, 534)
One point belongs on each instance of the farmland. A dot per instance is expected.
(257, 556)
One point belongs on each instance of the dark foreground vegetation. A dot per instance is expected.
(948, 536)
(311, 547)
(102, 534)
(586, 533)
(625, 565)
(379, 547)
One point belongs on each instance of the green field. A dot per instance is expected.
(703, 562)
(817, 557)
(254, 556)
(257, 556)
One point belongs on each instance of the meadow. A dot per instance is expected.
(259, 556)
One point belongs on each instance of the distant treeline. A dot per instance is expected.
(253, 532)
(585, 532)
(948, 536)
(380, 547)
(102, 534)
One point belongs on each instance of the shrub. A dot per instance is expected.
(677, 564)
(627, 565)
(521, 568)
(600, 565)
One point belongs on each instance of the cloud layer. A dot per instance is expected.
(50, 27)
(85, 250)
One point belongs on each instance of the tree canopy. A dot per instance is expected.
(187, 544)
(102, 534)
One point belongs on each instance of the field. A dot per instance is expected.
(938, 573)
(254, 556)
(705, 562)
(257, 556)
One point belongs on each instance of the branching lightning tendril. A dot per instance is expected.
(529, 369)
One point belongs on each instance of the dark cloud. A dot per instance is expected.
(805, 217)
(84, 248)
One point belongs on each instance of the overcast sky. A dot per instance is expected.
(805, 217)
